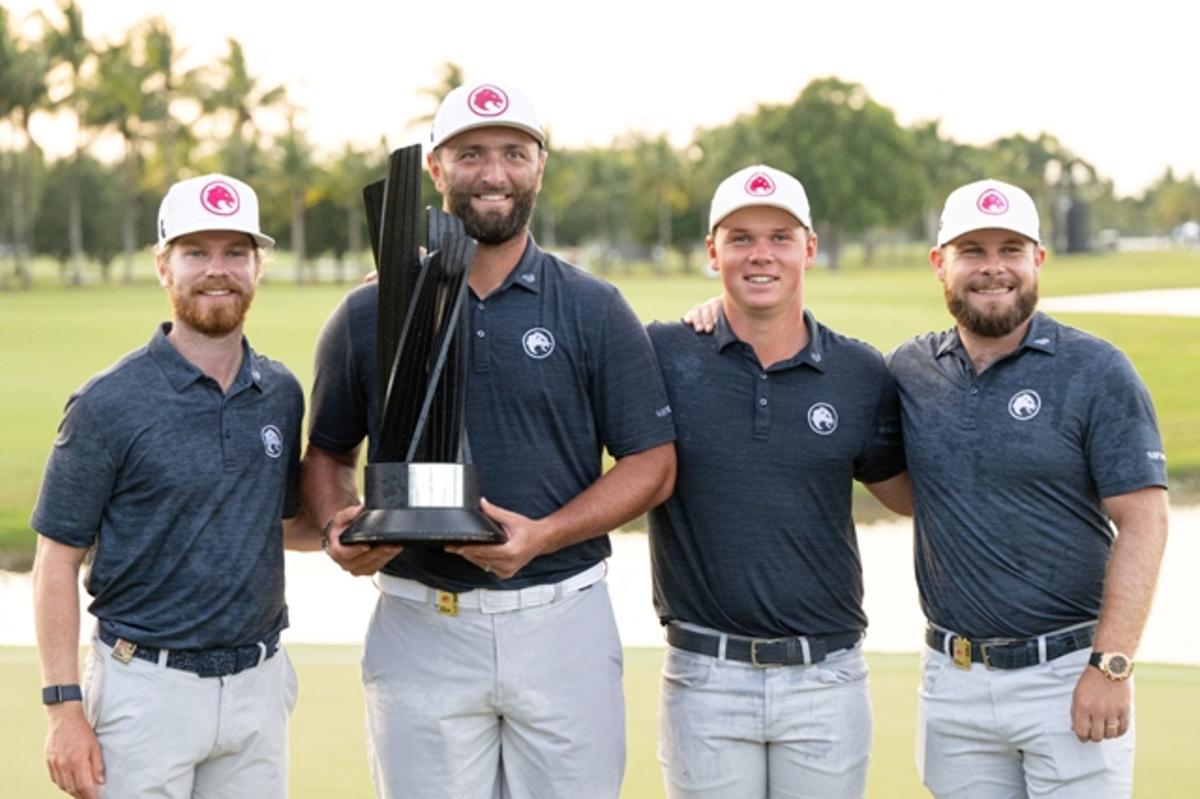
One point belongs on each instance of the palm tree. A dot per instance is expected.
(450, 77)
(174, 141)
(68, 46)
(239, 95)
(296, 172)
(117, 99)
(342, 184)
(22, 91)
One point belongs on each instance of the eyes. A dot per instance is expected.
(1006, 251)
(238, 253)
(513, 154)
(778, 237)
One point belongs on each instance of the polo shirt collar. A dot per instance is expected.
(812, 354)
(1042, 336)
(529, 271)
(181, 373)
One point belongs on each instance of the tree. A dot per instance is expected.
(22, 91)
(238, 95)
(341, 187)
(67, 45)
(858, 166)
(101, 225)
(173, 140)
(947, 165)
(450, 77)
(296, 173)
(117, 99)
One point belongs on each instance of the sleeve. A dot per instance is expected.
(630, 402)
(882, 454)
(79, 480)
(338, 417)
(1124, 448)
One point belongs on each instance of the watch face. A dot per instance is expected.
(1118, 665)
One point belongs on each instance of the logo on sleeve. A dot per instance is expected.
(1024, 405)
(538, 342)
(272, 441)
(822, 418)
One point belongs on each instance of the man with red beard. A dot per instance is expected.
(176, 471)
(1027, 442)
(496, 670)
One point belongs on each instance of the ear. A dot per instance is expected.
(710, 244)
(810, 249)
(938, 262)
(1039, 257)
(542, 156)
(435, 171)
(162, 269)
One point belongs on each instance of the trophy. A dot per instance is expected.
(422, 487)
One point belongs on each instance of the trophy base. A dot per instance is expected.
(422, 503)
(422, 526)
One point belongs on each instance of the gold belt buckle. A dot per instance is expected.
(447, 603)
(961, 652)
(123, 650)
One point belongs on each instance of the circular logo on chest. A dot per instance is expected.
(272, 441)
(1024, 405)
(538, 342)
(822, 418)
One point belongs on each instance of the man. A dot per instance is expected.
(1025, 438)
(756, 569)
(172, 471)
(496, 669)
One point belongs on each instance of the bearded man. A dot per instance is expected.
(176, 471)
(495, 670)
(1041, 516)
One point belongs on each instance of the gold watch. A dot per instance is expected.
(1116, 666)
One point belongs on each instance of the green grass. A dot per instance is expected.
(54, 338)
(328, 757)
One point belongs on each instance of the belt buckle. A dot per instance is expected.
(123, 650)
(754, 661)
(447, 603)
(961, 652)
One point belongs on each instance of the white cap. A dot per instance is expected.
(759, 185)
(988, 204)
(482, 105)
(210, 202)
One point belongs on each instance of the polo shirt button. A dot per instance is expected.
(480, 333)
(480, 306)
(762, 401)
(763, 376)
(974, 389)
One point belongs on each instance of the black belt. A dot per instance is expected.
(221, 662)
(1007, 653)
(761, 652)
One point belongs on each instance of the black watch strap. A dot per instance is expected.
(55, 694)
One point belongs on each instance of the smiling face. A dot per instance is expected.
(761, 253)
(990, 279)
(489, 178)
(210, 278)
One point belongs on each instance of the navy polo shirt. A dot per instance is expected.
(1009, 468)
(180, 489)
(560, 367)
(758, 538)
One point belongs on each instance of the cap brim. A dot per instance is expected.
(537, 135)
(260, 239)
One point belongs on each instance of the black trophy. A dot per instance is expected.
(422, 488)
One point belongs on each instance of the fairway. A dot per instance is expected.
(328, 757)
(54, 338)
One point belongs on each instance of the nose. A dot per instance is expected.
(761, 251)
(491, 171)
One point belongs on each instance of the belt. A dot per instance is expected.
(489, 600)
(220, 662)
(800, 650)
(1009, 653)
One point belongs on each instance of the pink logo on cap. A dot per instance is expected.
(488, 101)
(760, 185)
(992, 202)
(220, 198)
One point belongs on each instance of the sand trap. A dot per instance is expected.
(1156, 302)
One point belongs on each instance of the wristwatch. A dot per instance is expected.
(1116, 666)
(57, 694)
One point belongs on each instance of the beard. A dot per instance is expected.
(493, 227)
(210, 318)
(991, 325)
